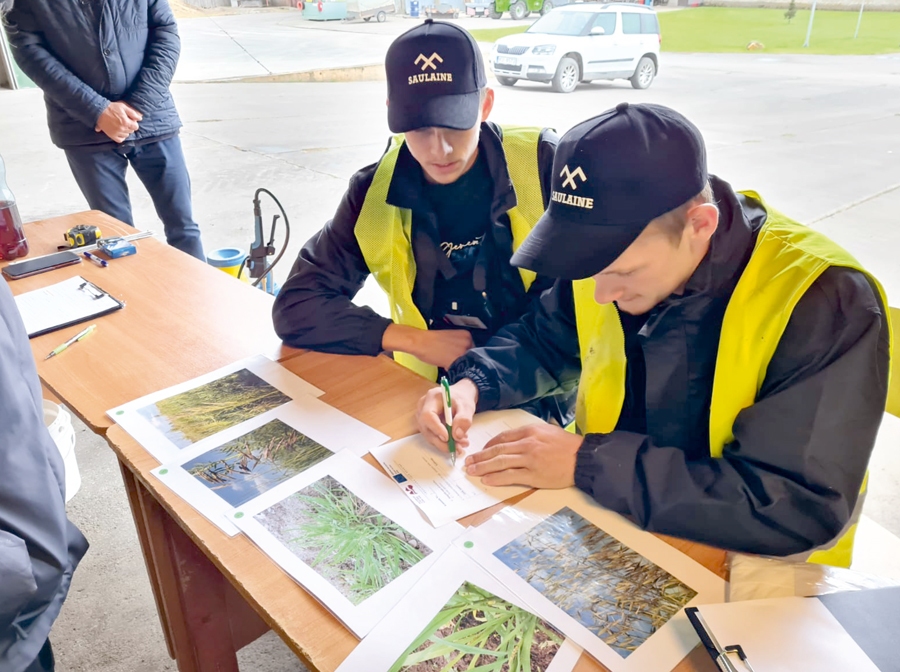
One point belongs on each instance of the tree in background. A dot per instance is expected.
(791, 11)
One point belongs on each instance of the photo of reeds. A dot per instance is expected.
(259, 460)
(614, 592)
(193, 415)
(476, 630)
(354, 547)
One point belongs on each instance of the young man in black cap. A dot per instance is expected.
(732, 364)
(436, 220)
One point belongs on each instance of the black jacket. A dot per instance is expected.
(85, 54)
(791, 478)
(314, 308)
(39, 547)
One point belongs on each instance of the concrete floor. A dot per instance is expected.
(818, 136)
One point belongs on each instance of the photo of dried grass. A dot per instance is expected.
(354, 547)
(259, 460)
(476, 630)
(201, 412)
(614, 592)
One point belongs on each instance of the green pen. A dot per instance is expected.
(448, 420)
(77, 337)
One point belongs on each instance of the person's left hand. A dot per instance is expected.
(538, 456)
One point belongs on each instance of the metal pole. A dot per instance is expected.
(812, 15)
(859, 21)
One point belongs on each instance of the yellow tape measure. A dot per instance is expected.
(81, 235)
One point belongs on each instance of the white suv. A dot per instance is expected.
(580, 43)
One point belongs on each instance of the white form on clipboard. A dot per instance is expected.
(63, 304)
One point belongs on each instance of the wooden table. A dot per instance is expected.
(182, 319)
(209, 586)
(215, 593)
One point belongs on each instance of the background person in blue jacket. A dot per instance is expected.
(39, 547)
(105, 70)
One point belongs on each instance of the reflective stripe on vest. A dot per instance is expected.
(384, 232)
(786, 260)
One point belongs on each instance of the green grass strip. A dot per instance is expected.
(730, 30)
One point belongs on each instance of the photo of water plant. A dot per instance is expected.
(201, 412)
(614, 592)
(476, 630)
(259, 460)
(354, 547)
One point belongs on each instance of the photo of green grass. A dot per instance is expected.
(196, 414)
(354, 547)
(614, 592)
(259, 460)
(476, 630)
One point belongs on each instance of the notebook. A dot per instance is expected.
(63, 304)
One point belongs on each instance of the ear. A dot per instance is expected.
(703, 220)
(488, 104)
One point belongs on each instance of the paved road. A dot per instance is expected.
(280, 42)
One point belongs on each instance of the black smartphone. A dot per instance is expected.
(22, 269)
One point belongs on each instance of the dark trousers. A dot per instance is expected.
(44, 662)
(161, 167)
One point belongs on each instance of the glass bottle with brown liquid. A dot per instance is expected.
(12, 236)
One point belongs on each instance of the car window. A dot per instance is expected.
(649, 24)
(607, 22)
(631, 23)
(562, 23)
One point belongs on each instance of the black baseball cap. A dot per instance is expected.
(434, 75)
(612, 175)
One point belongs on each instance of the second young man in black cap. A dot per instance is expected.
(436, 220)
(732, 363)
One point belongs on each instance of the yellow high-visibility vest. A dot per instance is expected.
(787, 258)
(384, 232)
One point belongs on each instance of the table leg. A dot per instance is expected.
(131, 489)
(204, 618)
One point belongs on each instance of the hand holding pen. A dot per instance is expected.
(445, 421)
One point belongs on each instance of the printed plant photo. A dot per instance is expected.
(256, 462)
(611, 590)
(476, 630)
(203, 411)
(354, 547)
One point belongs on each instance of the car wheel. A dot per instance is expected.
(381, 17)
(546, 7)
(518, 10)
(527, 13)
(494, 14)
(643, 73)
(567, 75)
(506, 81)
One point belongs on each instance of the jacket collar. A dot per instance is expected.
(407, 183)
(729, 251)
(731, 245)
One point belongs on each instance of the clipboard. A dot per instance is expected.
(729, 658)
(64, 304)
(838, 632)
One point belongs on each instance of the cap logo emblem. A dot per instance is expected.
(425, 76)
(583, 202)
(429, 62)
(570, 176)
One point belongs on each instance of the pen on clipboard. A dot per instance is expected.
(77, 337)
(448, 419)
